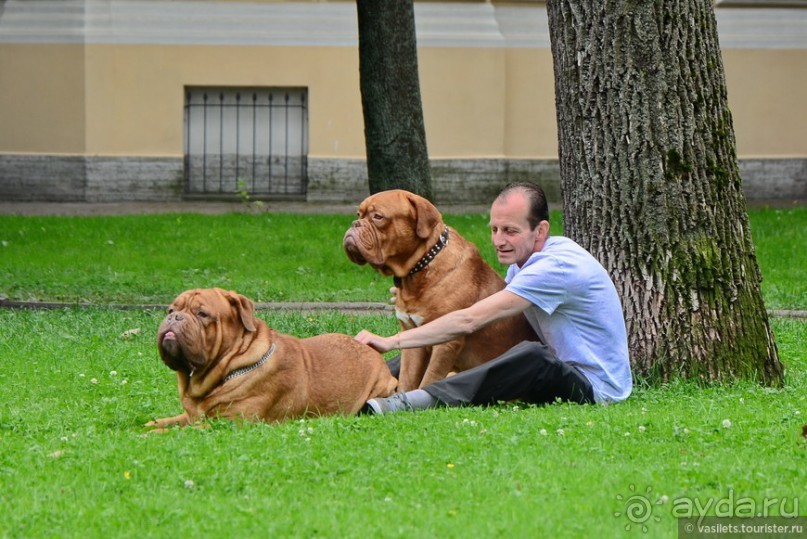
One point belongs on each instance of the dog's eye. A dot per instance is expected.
(171, 310)
(377, 217)
(201, 314)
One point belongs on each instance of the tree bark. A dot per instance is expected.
(395, 136)
(651, 184)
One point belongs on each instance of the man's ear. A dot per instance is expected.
(543, 231)
(245, 308)
(426, 215)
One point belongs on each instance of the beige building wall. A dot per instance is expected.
(532, 130)
(106, 85)
(137, 93)
(128, 99)
(42, 98)
(767, 91)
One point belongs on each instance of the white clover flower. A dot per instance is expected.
(642, 428)
(94, 381)
(113, 373)
(560, 432)
(542, 432)
(189, 484)
(726, 423)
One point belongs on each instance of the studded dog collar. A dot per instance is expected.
(428, 257)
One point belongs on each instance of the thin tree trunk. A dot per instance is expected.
(395, 136)
(651, 184)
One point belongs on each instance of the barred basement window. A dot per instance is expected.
(253, 139)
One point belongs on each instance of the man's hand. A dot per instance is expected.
(381, 344)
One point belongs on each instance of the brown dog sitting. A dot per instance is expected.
(436, 271)
(231, 364)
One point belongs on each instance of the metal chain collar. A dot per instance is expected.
(244, 370)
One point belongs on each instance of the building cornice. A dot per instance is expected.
(334, 24)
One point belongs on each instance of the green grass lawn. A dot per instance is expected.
(271, 257)
(76, 462)
(76, 386)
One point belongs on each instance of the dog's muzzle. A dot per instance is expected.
(351, 243)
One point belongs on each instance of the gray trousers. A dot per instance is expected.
(528, 372)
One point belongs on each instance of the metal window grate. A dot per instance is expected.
(246, 138)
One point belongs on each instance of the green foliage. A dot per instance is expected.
(242, 191)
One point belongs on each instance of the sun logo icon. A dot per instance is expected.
(638, 508)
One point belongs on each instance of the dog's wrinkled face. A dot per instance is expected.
(390, 229)
(202, 325)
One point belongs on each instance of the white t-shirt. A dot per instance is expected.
(577, 313)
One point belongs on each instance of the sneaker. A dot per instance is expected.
(390, 405)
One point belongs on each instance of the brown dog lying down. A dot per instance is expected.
(231, 364)
(436, 271)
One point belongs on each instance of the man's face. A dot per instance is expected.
(510, 231)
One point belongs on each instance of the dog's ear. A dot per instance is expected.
(426, 214)
(245, 308)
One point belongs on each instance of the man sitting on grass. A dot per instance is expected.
(568, 299)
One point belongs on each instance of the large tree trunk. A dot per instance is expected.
(651, 184)
(395, 137)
